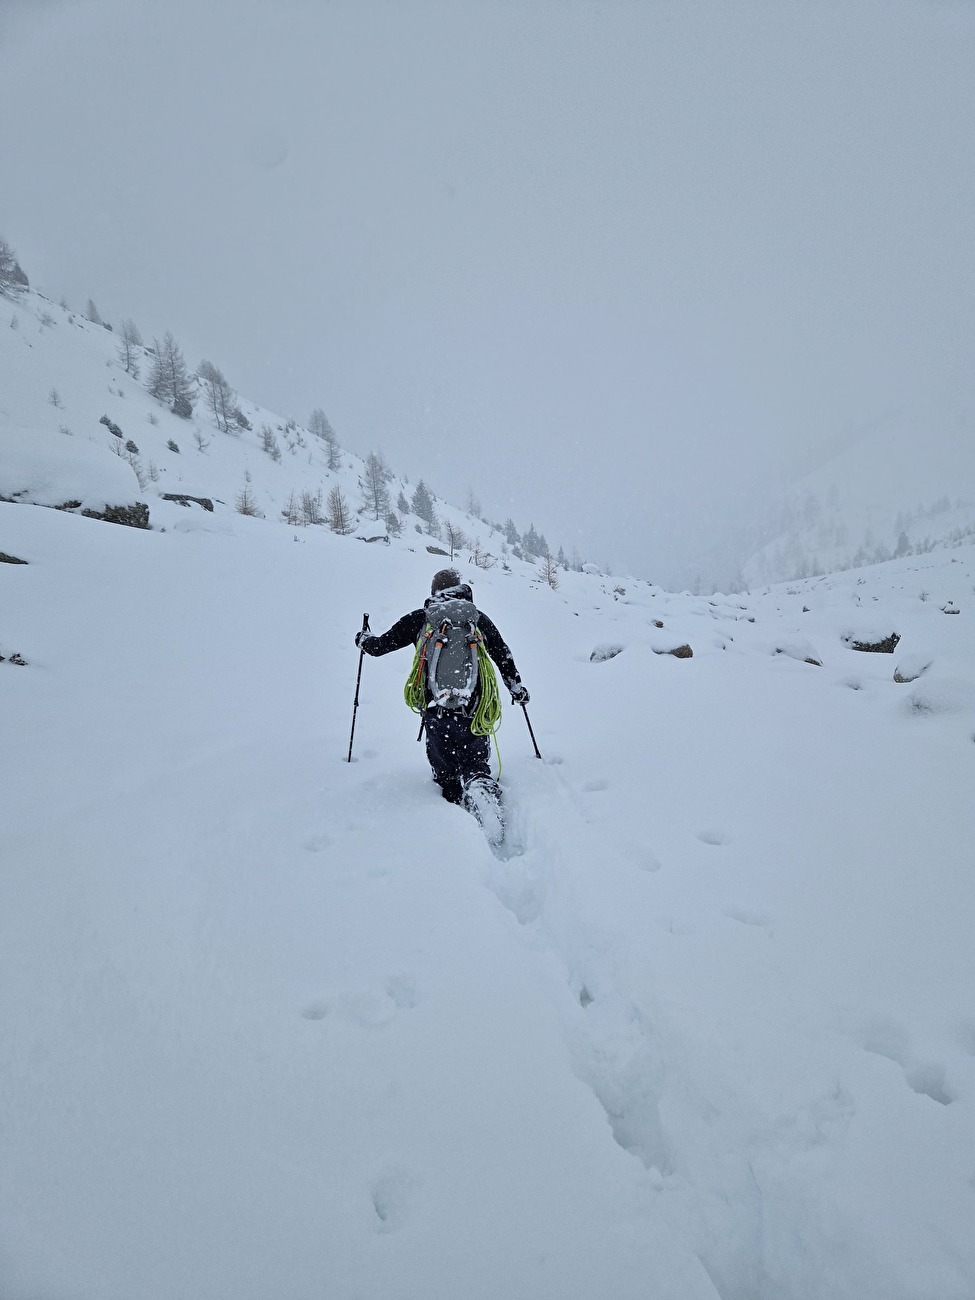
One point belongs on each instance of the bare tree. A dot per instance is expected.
(549, 572)
(375, 494)
(170, 381)
(311, 507)
(246, 503)
(220, 398)
(319, 425)
(482, 558)
(130, 341)
(454, 537)
(339, 517)
(291, 514)
(269, 442)
(13, 281)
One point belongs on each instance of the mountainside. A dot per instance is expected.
(899, 488)
(276, 1024)
(80, 430)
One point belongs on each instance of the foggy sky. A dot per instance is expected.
(609, 263)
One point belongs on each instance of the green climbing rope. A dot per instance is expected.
(487, 715)
(415, 691)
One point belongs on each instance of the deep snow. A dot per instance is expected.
(276, 1024)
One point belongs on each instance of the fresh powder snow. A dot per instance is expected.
(276, 1024)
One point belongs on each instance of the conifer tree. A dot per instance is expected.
(246, 501)
(549, 572)
(375, 494)
(339, 517)
(13, 281)
(130, 341)
(170, 380)
(422, 503)
(531, 543)
(220, 398)
(319, 425)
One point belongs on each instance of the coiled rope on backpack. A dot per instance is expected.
(414, 692)
(487, 715)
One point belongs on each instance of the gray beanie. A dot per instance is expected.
(443, 579)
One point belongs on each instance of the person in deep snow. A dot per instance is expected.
(457, 756)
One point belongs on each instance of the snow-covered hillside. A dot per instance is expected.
(275, 1024)
(901, 487)
(77, 428)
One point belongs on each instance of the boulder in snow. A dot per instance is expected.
(603, 652)
(133, 516)
(183, 499)
(872, 642)
(910, 667)
(798, 648)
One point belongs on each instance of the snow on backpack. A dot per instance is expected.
(451, 663)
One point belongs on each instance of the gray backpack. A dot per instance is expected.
(448, 651)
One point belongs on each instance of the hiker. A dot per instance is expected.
(458, 750)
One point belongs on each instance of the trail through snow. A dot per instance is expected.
(277, 1024)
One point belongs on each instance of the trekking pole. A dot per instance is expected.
(358, 679)
(531, 732)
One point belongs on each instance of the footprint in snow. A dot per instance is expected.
(369, 1007)
(712, 836)
(884, 1038)
(392, 1194)
(315, 843)
(748, 916)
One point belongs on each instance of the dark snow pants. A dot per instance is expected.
(455, 754)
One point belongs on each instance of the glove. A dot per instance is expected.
(519, 694)
(361, 636)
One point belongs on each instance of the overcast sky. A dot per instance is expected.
(607, 262)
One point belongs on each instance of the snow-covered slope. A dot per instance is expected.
(275, 1024)
(899, 488)
(76, 427)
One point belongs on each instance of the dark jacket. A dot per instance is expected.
(406, 632)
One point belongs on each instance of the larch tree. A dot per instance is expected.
(13, 281)
(318, 424)
(129, 345)
(339, 517)
(170, 381)
(220, 398)
(454, 537)
(375, 493)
